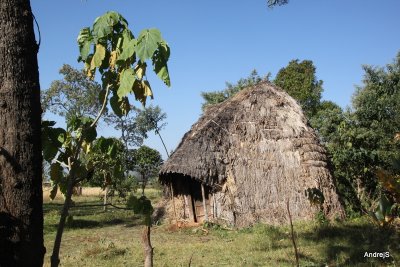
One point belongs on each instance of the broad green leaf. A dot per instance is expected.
(140, 205)
(115, 105)
(52, 139)
(56, 172)
(103, 25)
(84, 40)
(147, 43)
(160, 59)
(128, 49)
(99, 55)
(126, 82)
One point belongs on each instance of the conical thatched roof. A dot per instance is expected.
(258, 148)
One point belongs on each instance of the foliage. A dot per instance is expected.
(146, 161)
(109, 167)
(360, 141)
(150, 119)
(298, 79)
(98, 157)
(376, 113)
(215, 97)
(140, 205)
(391, 184)
(110, 47)
(383, 216)
(326, 121)
(73, 96)
(128, 127)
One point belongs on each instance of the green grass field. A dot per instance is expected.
(112, 238)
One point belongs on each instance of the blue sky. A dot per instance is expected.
(217, 41)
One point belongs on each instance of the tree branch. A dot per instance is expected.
(102, 107)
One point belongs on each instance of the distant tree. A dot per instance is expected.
(146, 161)
(130, 134)
(107, 166)
(215, 97)
(21, 212)
(151, 119)
(299, 80)
(361, 141)
(377, 117)
(74, 95)
(377, 111)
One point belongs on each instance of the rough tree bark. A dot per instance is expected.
(21, 213)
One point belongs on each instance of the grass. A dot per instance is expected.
(112, 238)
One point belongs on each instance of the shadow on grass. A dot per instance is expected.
(79, 208)
(347, 244)
(88, 215)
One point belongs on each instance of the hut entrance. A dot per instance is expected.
(198, 202)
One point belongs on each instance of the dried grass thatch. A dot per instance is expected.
(253, 153)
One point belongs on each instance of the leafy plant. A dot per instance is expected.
(383, 215)
(109, 47)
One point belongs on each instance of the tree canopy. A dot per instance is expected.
(299, 80)
(73, 95)
(146, 161)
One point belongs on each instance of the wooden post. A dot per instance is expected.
(212, 200)
(189, 200)
(173, 200)
(204, 203)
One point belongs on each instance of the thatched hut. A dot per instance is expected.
(246, 158)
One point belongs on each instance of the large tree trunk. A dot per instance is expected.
(21, 214)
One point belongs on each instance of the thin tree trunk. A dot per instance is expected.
(105, 198)
(55, 258)
(296, 252)
(165, 147)
(21, 212)
(143, 184)
(147, 248)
